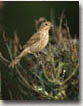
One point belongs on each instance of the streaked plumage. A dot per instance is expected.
(36, 43)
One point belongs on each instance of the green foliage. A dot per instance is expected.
(52, 75)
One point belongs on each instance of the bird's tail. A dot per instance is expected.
(18, 58)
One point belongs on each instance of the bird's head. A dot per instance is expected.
(46, 25)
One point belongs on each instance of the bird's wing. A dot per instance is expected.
(35, 38)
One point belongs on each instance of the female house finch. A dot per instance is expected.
(36, 43)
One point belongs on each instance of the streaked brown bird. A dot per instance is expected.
(37, 42)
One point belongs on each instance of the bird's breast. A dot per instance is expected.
(44, 40)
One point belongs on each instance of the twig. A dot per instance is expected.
(52, 81)
(61, 19)
(9, 50)
(73, 73)
(53, 21)
(60, 25)
(26, 82)
(4, 59)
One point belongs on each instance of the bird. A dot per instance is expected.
(36, 43)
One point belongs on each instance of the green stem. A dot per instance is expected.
(11, 57)
(61, 19)
(10, 93)
(52, 81)
(26, 82)
(4, 59)
(73, 73)
(9, 50)
(59, 69)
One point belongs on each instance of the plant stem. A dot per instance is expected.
(52, 81)
(73, 73)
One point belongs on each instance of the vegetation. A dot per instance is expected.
(51, 75)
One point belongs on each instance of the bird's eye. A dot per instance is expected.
(46, 24)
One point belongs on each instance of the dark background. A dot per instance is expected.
(20, 16)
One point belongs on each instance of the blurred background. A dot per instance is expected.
(20, 16)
